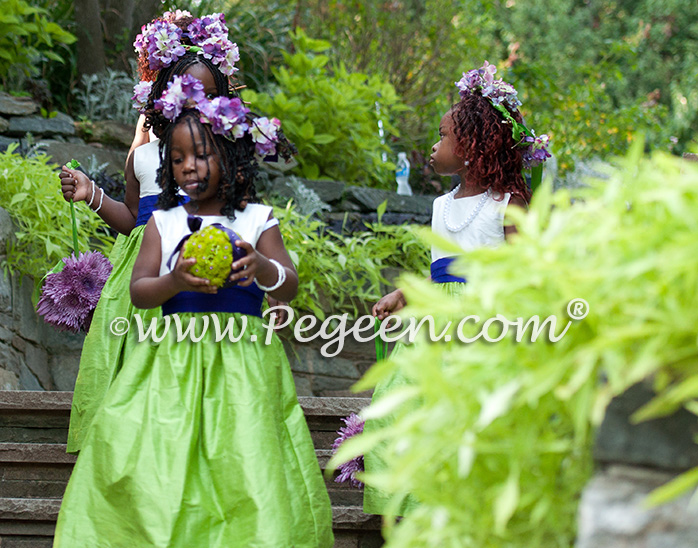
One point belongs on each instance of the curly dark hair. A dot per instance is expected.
(143, 65)
(484, 139)
(153, 118)
(238, 165)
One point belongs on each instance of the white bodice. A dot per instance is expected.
(172, 225)
(146, 161)
(486, 229)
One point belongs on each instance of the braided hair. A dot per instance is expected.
(237, 165)
(485, 141)
(153, 119)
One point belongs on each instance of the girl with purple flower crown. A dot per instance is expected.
(203, 444)
(174, 46)
(482, 140)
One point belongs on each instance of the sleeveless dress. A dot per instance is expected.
(486, 229)
(200, 444)
(102, 352)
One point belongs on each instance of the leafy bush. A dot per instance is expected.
(30, 192)
(107, 96)
(340, 273)
(26, 38)
(494, 439)
(331, 115)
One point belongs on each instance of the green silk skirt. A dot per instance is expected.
(376, 501)
(199, 445)
(103, 353)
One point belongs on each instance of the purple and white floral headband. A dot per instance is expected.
(534, 148)
(161, 41)
(226, 116)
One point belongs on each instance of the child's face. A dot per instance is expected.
(443, 160)
(192, 161)
(201, 73)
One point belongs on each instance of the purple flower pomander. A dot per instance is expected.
(348, 470)
(70, 296)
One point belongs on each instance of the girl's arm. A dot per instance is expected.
(121, 216)
(269, 246)
(141, 136)
(148, 288)
(517, 201)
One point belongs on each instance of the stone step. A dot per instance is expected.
(37, 517)
(42, 470)
(43, 417)
(34, 468)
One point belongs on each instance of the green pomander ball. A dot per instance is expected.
(213, 252)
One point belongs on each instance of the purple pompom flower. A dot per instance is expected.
(348, 470)
(264, 135)
(223, 114)
(70, 296)
(180, 90)
(141, 92)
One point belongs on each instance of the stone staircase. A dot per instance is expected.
(34, 468)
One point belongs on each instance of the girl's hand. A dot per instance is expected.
(248, 265)
(281, 314)
(186, 281)
(389, 304)
(75, 185)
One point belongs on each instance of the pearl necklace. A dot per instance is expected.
(471, 217)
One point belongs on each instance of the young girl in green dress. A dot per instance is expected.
(483, 141)
(203, 444)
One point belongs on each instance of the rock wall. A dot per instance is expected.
(33, 356)
(633, 460)
(61, 137)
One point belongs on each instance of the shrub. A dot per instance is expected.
(26, 38)
(331, 115)
(30, 192)
(495, 439)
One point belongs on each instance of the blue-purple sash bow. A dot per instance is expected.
(440, 271)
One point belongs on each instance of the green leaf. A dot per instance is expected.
(675, 488)
(20, 196)
(380, 211)
(507, 501)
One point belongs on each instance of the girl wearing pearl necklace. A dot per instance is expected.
(484, 142)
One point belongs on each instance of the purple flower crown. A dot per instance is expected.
(226, 116)
(161, 41)
(534, 148)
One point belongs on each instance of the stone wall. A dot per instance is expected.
(633, 460)
(33, 355)
(61, 137)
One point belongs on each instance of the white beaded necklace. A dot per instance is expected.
(447, 210)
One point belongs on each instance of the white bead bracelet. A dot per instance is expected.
(279, 282)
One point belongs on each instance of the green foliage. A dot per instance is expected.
(494, 438)
(340, 273)
(106, 96)
(331, 115)
(419, 46)
(589, 73)
(30, 192)
(27, 37)
(262, 32)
